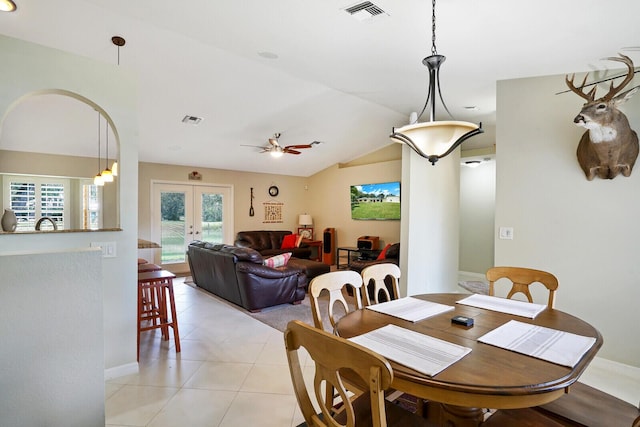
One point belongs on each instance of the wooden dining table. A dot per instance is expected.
(487, 377)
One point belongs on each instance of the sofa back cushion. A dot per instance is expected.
(243, 254)
(261, 240)
(393, 251)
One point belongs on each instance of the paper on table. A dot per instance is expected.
(417, 351)
(411, 309)
(504, 305)
(563, 348)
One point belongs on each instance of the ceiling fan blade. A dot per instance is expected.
(298, 146)
(255, 146)
(286, 150)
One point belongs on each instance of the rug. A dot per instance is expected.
(280, 315)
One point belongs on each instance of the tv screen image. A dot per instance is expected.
(379, 201)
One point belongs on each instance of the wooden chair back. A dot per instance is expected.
(521, 278)
(334, 282)
(334, 356)
(375, 279)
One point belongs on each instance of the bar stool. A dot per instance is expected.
(143, 268)
(155, 292)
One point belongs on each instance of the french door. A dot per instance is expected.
(185, 212)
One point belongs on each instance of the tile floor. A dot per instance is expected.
(232, 371)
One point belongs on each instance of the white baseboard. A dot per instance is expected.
(617, 379)
(469, 275)
(121, 371)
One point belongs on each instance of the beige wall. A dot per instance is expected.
(586, 233)
(292, 194)
(329, 191)
(477, 217)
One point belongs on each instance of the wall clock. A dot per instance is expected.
(273, 191)
(306, 233)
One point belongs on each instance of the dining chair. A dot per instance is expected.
(335, 282)
(334, 358)
(379, 282)
(521, 278)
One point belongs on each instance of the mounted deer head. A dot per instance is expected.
(609, 146)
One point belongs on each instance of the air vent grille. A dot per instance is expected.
(364, 10)
(193, 120)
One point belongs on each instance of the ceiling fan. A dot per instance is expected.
(276, 150)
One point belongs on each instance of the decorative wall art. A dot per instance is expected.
(195, 176)
(609, 146)
(273, 212)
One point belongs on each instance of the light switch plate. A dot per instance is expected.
(108, 248)
(506, 233)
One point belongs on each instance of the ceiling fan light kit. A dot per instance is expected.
(434, 140)
(276, 150)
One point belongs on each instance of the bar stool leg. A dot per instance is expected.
(174, 316)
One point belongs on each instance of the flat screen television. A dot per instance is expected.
(379, 201)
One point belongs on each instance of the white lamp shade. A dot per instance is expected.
(435, 138)
(305, 219)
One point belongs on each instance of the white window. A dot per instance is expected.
(32, 198)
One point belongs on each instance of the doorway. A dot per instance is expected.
(183, 213)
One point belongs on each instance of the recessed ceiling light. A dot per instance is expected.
(472, 163)
(268, 55)
(7, 6)
(192, 120)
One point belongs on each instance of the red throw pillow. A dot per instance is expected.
(383, 253)
(289, 241)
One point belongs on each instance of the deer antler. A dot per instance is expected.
(613, 90)
(589, 96)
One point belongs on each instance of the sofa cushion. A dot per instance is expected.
(393, 251)
(289, 241)
(242, 254)
(278, 260)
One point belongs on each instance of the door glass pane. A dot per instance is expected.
(173, 227)
(211, 221)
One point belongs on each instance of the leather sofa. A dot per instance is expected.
(391, 256)
(239, 276)
(269, 243)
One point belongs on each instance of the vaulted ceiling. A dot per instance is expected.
(308, 69)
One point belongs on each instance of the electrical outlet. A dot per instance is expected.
(506, 233)
(108, 248)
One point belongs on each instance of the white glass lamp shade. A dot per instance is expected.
(107, 175)
(114, 169)
(435, 138)
(305, 219)
(7, 6)
(98, 180)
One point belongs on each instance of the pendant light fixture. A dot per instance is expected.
(118, 41)
(434, 140)
(98, 180)
(7, 6)
(107, 175)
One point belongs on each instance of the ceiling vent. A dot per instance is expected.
(192, 120)
(365, 10)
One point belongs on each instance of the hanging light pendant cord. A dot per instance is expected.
(433, 63)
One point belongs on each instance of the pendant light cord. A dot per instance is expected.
(98, 142)
(433, 28)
